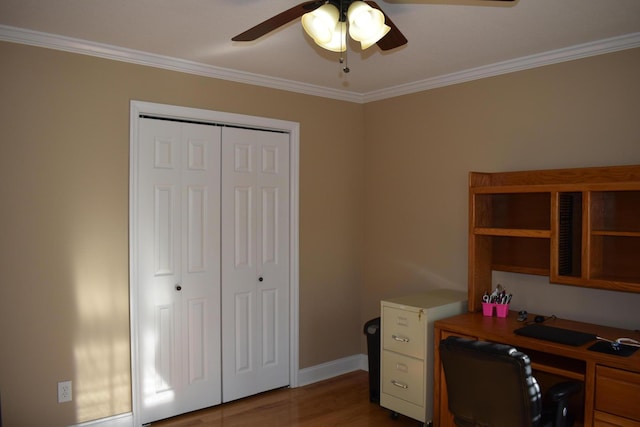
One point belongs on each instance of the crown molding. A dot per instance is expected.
(68, 44)
(600, 47)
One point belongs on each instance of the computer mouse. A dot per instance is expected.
(538, 319)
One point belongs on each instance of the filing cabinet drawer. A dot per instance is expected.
(404, 331)
(403, 377)
(617, 392)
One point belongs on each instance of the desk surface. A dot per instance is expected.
(556, 359)
(501, 330)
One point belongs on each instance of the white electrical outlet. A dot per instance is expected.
(64, 392)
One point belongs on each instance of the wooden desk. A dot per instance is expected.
(611, 393)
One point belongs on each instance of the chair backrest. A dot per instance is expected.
(489, 384)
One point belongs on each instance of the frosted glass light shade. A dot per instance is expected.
(366, 24)
(338, 42)
(367, 43)
(321, 23)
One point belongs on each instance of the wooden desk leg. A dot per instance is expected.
(589, 393)
(437, 370)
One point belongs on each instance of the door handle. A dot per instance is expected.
(178, 287)
(260, 279)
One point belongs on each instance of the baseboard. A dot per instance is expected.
(306, 376)
(332, 369)
(122, 420)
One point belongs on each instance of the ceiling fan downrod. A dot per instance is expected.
(343, 7)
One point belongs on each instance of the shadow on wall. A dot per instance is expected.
(434, 280)
(603, 307)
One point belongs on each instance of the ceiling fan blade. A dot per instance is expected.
(394, 38)
(277, 21)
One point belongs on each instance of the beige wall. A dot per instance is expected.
(420, 148)
(64, 162)
(383, 200)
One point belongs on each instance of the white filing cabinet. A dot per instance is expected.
(407, 348)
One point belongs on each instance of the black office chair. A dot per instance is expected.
(492, 385)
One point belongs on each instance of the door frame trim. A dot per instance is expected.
(138, 108)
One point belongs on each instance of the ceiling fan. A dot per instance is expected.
(327, 22)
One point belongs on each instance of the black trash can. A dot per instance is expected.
(372, 331)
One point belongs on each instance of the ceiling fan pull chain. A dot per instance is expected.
(344, 60)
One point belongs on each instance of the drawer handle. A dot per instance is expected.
(399, 384)
(399, 338)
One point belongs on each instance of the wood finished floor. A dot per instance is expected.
(339, 401)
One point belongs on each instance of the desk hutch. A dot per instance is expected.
(579, 227)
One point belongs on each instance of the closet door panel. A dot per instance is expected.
(255, 261)
(242, 332)
(196, 228)
(243, 228)
(178, 267)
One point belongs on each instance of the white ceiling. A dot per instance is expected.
(449, 40)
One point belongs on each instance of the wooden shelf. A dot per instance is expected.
(558, 371)
(578, 226)
(616, 233)
(520, 269)
(541, 234)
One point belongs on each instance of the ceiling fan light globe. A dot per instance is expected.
(338, 42)
(365, 22)
(321, 23)
(367, 43)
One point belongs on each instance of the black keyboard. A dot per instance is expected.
(559, 335)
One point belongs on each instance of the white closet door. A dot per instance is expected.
(178, 226)
(255, 262)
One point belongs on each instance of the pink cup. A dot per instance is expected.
(502, 310)
(487, 309)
